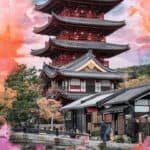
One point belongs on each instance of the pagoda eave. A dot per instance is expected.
(58, 5)
(41, 52)
(106, 50)
(58, 23)
(56, 47)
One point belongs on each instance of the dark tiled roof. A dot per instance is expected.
(87, 101)
(95, 75)
(83, 60)
(55, 46)
(103, 5)
(73, 96)
(89, 45)
(126, 95)
(52, 73)
(89, 21)
(69, 70)
(104, 26)
(41, 52)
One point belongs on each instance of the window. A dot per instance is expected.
(83, 86)
(105, 85)
(64, 85)
(97, 86)
(77, 85)
(112, 86)
(68, 115)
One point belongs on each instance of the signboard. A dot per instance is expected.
(142, 106)
(143, 102)
(91, 109)
(142, 109)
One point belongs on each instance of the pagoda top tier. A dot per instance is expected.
(56, 47)
(57, 5)
(57, 24)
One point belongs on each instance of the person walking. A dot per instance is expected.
(109, 132)
(103, 127)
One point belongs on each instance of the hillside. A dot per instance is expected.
(143, 70)
(143, 75)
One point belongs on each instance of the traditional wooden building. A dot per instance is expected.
(128, 111)
(78, 48)
(126, 108)
(82, 77)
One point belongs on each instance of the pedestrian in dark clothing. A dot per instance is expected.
(103, 127)
(109, 132)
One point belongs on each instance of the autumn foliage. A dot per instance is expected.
(136, 82)
(49, 108)
(7, 96)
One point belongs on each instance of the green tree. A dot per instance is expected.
(26, 83)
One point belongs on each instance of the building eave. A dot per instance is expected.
(43, 52)
(56, 46)
(106, 50)
(53, 73)
(125, 96)
(92, 75)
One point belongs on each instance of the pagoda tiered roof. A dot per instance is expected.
(56, 47)
(71, 70)
(57, 5)
(57, 23)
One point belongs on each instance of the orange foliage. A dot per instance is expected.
(49, 108)
(2, 121)
(7, 96)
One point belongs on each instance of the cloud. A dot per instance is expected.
(136, 32)
(31, 61)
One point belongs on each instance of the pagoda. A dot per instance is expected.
(77, 45)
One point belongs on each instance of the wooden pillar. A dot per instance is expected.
(84, 121)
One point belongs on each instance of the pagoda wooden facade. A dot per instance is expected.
(78, 48)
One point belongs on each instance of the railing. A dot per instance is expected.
(54, 132)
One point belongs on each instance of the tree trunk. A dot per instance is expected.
(52, 122)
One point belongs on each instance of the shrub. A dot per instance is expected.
(122, 139)
(95, 132)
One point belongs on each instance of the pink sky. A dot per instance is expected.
(21, 16)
